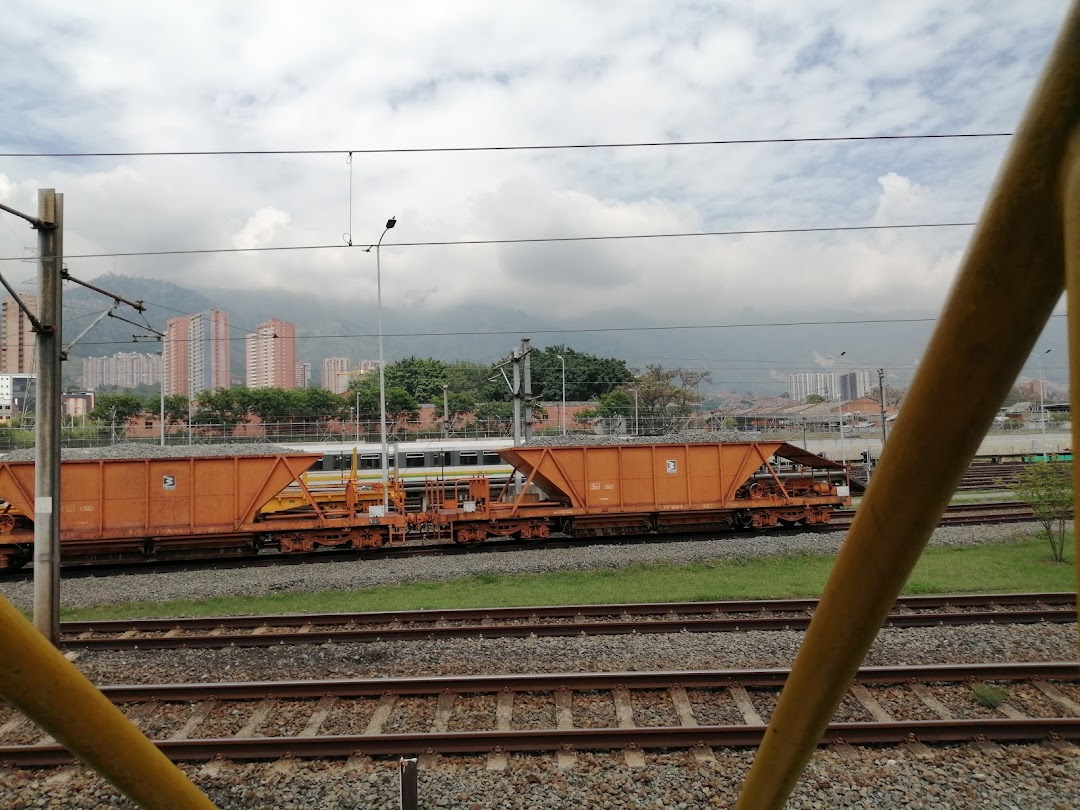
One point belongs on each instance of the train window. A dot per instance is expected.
(441, 458)
(370, 461)
(491, 457)
(468, 458)
(414, 459)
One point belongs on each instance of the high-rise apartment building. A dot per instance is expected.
(197, 353)
(271, 355)
(303, 375)
(809, 383)
(18, 352)
(335, 374)
(857, 384)
(124, 370)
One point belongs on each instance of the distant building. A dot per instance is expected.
(197, 353)
(271, 355)
(18, 351)
(124, 370)
(303, 375)
(77, 404)
(15, 390)
(856, 384)
(809, 383)
(334, 374)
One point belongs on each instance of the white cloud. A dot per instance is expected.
(329, 75)
(260, 228)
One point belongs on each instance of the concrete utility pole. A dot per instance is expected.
(445, 412)
(881, 390)
(47, 443)
(515, 391)
(526, 394)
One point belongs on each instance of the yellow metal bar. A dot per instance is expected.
(1011, 278)
(47, 688)
(1071, 225)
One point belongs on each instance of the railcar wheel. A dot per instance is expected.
(470, 536)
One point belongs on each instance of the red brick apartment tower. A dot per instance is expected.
(271, 355)
(197, 353)
(17, 353)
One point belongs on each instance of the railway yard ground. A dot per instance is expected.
(975, 774)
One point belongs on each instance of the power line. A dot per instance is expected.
(510, 148)
(529, 240)
(668, 328)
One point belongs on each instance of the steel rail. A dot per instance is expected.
(551, 611)
(574, 681)
(44, 753)
(1063, 615)
(466, 742)
(633, 618)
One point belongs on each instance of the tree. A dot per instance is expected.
(458, 405)
(116, 408)
(420, 377)
(228, 406)
(587, 376)
(1048, 488)
(401, 406)
(665, 396)
(814, 399)
(176, 408)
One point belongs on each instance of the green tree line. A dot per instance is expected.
(472, 389)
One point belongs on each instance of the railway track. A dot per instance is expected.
(519, 622)
(569, 712)
(955, 515)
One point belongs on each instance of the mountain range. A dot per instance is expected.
(751, 350)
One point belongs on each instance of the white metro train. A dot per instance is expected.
(412, 463)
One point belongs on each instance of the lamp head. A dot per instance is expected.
(390, 223)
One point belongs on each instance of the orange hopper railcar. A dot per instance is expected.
(183, 506)
(646, 488)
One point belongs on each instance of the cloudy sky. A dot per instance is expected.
(135, 77)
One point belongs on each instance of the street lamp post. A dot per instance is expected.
(562, 410)
(161, 404)
(1042, 401)
(356, 424)
(390, 223)
(446, 411)
(840, 414)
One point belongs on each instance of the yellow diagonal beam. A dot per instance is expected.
(36, 679)
(1011, 278)
(1071, 226)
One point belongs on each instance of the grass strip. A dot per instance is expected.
(1007, 567)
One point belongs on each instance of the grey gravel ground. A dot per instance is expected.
(135, 450)
(352, 575)
(686, 437)
(1022, 776)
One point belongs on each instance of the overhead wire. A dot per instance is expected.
(516, 241)
(510, 147)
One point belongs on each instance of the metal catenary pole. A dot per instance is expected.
(526, 383)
